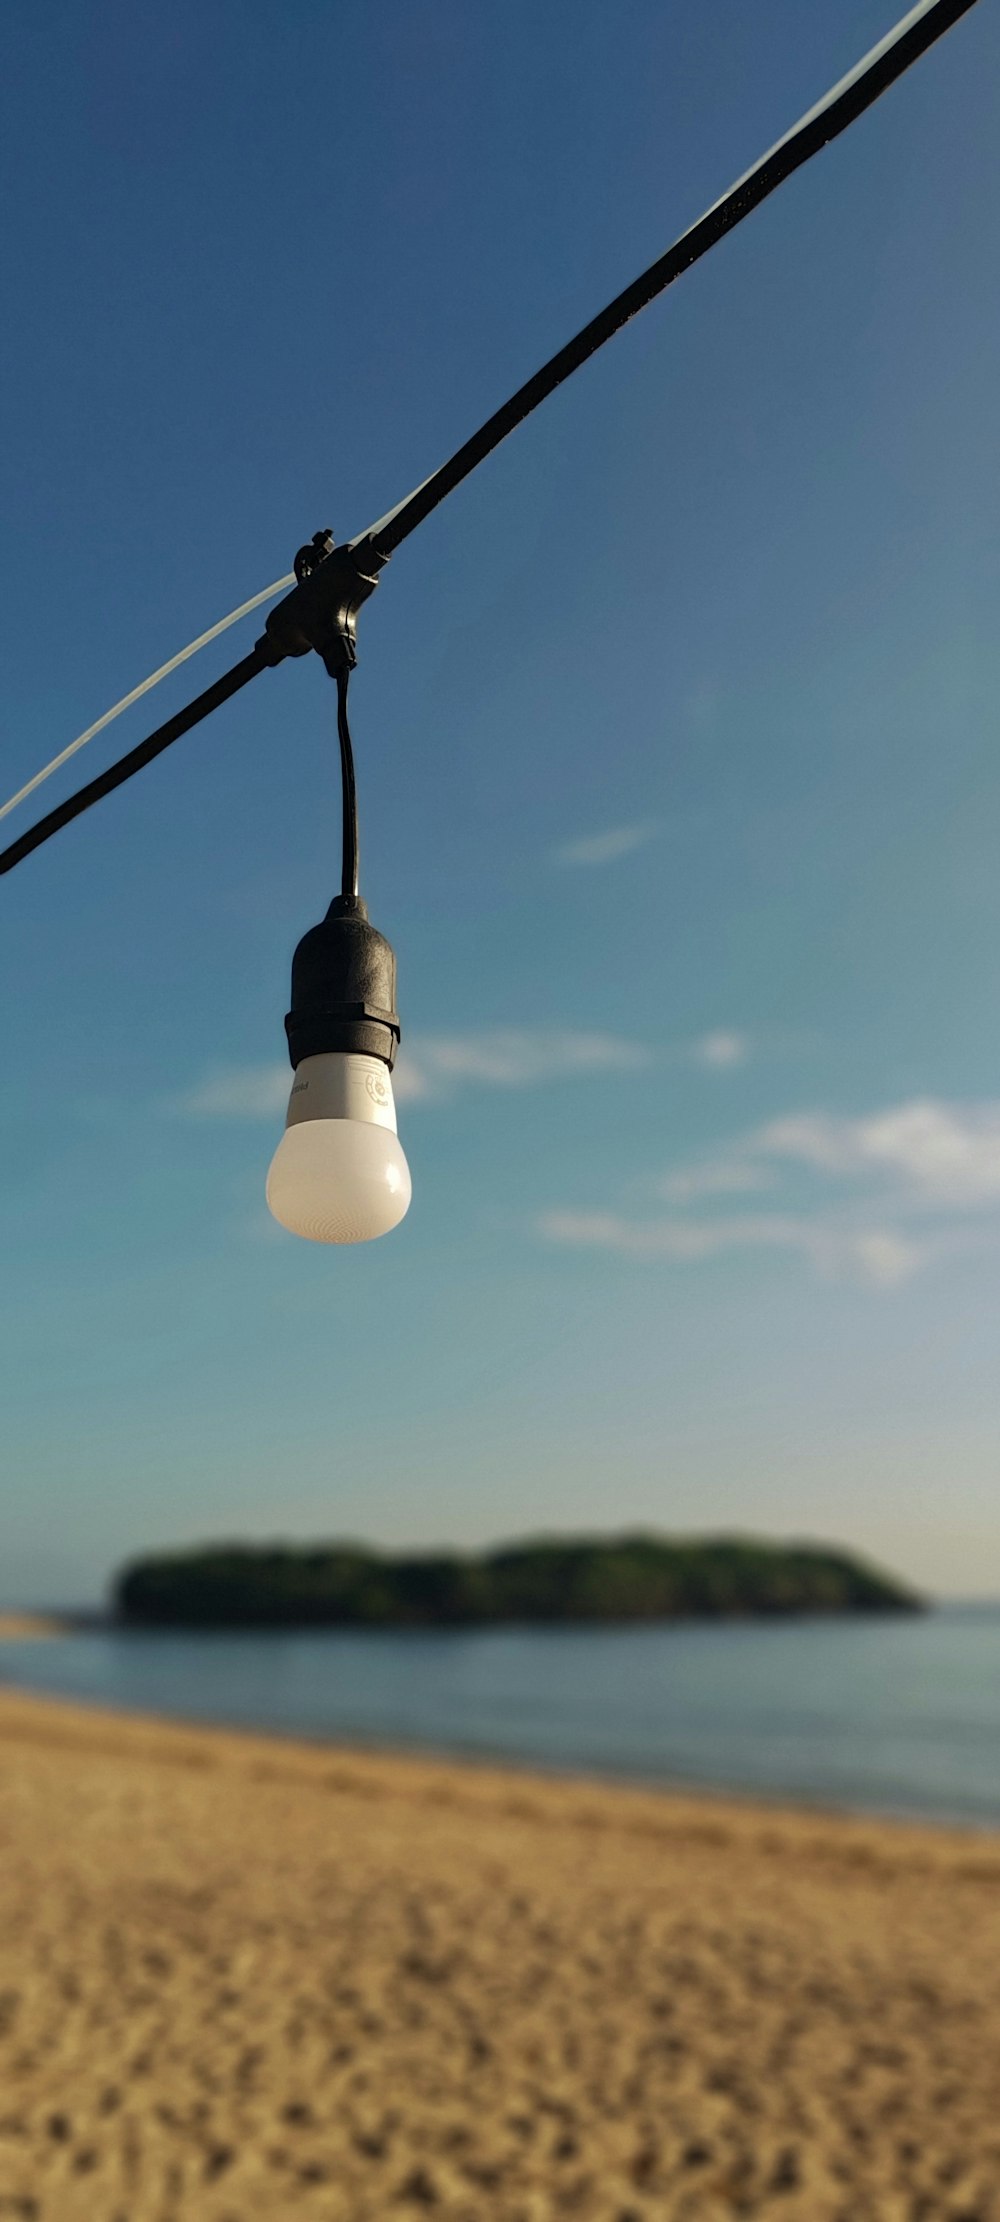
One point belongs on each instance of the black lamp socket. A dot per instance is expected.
(343, 988)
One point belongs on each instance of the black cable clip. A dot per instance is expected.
(314, 553)
(321, 612)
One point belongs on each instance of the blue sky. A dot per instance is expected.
(680, 791)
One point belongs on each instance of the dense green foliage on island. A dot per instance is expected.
(632, 1577)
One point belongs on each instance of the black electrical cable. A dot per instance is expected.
(858, 91)
(116, 774)
(349, 869)
(815, 131)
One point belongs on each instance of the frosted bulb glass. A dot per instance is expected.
(339, 1173)
(333, 1181)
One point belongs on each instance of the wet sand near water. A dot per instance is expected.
(243, 1978)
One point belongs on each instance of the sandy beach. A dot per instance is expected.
(244, 1978)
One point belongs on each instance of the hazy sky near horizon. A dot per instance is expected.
(680, 786)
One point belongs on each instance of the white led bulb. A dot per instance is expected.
(339, 1173)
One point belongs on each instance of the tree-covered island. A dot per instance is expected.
(553, 1580)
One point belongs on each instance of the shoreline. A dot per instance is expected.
(32, 1627)
(961, 1828)
(486, 1785)
(247, 1976)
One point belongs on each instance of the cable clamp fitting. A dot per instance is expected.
(321, 612)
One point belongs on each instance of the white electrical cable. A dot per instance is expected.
(853, 76)
(840, 107)
(127, 700)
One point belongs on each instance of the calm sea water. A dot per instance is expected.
(888, 1716)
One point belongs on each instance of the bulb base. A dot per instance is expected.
(335, 1086)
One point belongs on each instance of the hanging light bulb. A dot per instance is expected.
(339, 1173)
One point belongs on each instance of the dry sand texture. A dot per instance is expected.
(247, 1979)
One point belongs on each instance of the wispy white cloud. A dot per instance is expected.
(509, 1057)
(924, 1152)
(721, 1176)
(606, 848)
(877, 1254)
(436, 1066)
(721, 1050)
(238, 1092)
(937, 1159)
(882, 1254)
(943, 1153)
